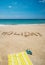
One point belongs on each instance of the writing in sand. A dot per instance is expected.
(25, 34)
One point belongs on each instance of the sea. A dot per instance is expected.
(21, 21)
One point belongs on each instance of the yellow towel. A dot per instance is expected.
(19, 59)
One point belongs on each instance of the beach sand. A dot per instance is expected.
(18, 38)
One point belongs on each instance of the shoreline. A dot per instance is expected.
(18, 24)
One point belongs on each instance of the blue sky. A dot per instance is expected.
(22, 9)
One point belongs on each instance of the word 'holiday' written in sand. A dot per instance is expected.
(25, 34)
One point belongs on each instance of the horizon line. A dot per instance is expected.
(23, 18)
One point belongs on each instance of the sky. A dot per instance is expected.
(22, 9)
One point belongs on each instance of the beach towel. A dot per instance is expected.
(19, 59)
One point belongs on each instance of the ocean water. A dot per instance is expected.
(22, 21)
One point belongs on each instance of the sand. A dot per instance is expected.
(18, 38)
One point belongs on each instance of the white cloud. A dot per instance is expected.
(9, 6)
(42, 1)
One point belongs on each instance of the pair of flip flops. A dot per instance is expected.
(29, 51)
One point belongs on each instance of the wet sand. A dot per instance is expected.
(17, 38)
